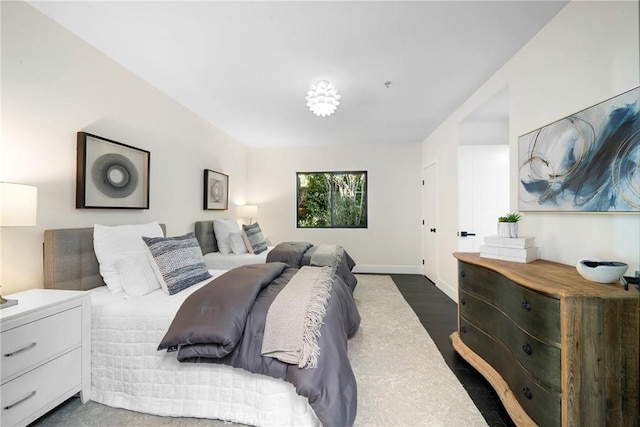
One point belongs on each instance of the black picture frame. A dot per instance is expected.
(216, 190)
(110, 174)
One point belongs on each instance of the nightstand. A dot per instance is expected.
(45, 347)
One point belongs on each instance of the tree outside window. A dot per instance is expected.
(332, 199)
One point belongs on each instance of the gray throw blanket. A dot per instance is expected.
(290, 253)
(230, 297)
(295, 317)
(327, 255)
(298, 254)
(224, 322)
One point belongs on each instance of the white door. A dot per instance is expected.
(483, 193)
(429, 228)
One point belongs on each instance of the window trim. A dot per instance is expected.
(366, 199)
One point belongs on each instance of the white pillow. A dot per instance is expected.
(110, 242)
(137, 275)
(222, 228)
(156, 271)
(237, 243)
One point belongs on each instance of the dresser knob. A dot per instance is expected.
(463, 329)
(527, 393)
(463, 301)
(527, 349)
(462, 273)
(526, 305)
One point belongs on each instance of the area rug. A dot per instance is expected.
(402, 378)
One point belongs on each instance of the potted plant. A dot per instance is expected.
(508, 225)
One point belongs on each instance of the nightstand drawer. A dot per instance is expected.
(28, 345)
(30, 392)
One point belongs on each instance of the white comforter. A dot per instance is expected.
(218, 261)
(128, 372)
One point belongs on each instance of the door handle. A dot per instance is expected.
(433, 230)
(465, 234)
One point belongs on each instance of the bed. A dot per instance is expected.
(296, 254)
(217, 260)
(129, 372)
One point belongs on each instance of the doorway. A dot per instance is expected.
(429, 230)
(483, 171)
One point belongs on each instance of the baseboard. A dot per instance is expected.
(388, 269)
(406, 269)
(448, 290)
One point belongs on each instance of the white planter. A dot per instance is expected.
(508, 229)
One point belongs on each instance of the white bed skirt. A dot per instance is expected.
(128, 372)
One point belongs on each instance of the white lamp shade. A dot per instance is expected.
(18, 205)
(247, 211)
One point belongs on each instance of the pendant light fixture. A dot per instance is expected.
(323, 99)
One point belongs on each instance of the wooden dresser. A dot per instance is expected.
(558, 349)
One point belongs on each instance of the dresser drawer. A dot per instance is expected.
(540, 359)
(26, 346)
(30, 392)
(537, 314)
(542, 404)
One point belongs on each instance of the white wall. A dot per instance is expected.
(588, 53)
(390, 244)
(54, 85)
(483, 133)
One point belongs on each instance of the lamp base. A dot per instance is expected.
(4, 303)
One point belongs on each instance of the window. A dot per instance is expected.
(332, 199)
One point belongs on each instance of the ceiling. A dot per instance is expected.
(246, 66)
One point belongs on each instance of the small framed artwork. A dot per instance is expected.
(216, 190)
(111, 175)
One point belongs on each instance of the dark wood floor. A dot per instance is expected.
(438, 314)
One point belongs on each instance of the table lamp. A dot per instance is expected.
(247, 211)
(18, 208)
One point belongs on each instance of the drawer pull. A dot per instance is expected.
(20, 350)
(463, 301)
(463, 329)
(527, 393)
(29, 396)
(526, 305)
(462, 273)
(527, 349)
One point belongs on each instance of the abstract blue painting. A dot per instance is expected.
(586, 162)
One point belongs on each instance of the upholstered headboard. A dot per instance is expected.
(206, 237)
(70, 261)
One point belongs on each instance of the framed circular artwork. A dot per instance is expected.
(111, 175)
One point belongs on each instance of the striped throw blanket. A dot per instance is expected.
(295, 317)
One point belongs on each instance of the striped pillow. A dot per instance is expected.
(256, 243)
(179, 261)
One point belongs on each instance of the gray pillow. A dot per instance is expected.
(256, 243)
(206, 237)
(179, 260)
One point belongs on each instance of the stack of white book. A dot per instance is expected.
(518, 249)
